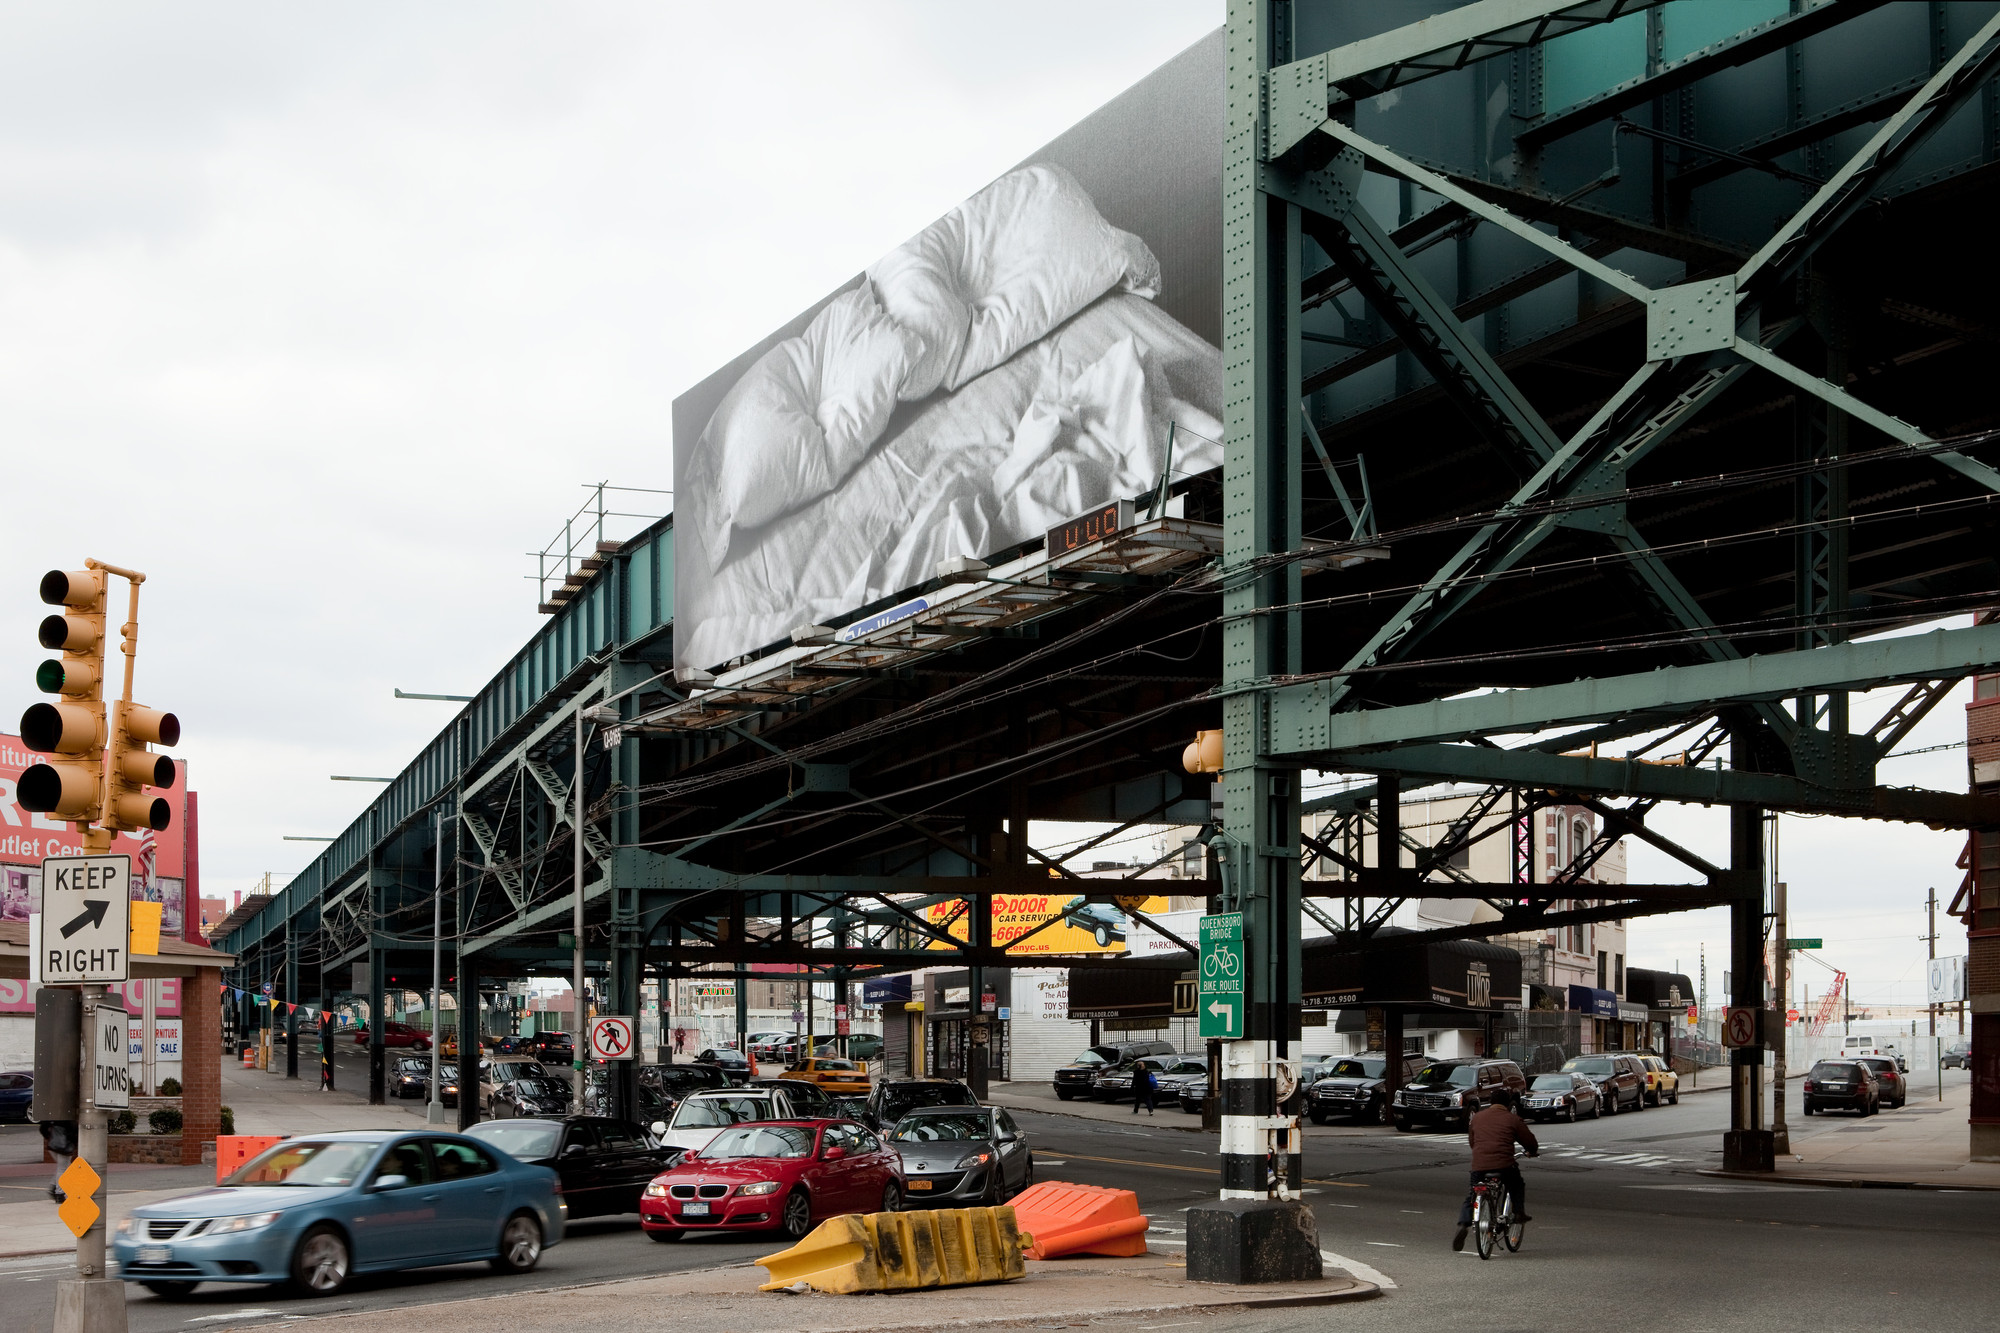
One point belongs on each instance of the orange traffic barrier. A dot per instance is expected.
(1056, 1218)
(249, 1057)
(233, 1150)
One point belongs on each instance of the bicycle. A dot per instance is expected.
(1493, 1216)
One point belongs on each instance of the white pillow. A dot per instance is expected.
(1002, 269)
(798, 421)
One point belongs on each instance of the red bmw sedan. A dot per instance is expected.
(782, 1174)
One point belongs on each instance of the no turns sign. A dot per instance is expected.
(611, 1038)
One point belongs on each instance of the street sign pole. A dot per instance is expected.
(92, 1301)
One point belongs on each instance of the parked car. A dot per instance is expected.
(1957, 1056)
(735, 1066)
(496, 1070)
(785, 1174)
(1846, 1085)
(603, 1164)
(962, 1156)
(17, 1093)
(703, 1115)
(1561, 1097)
(1663, 1085)
(764, 1045)
(534, 1096)
(1079, 1076)
(1891, 1085)
(889, 1102)
(864, 1046)
(398, 1034)
(315, 1211)
(671, 1083)
(831, 1073)
(1620, 1080)
(1543, 1058)
(1447, 1092)
(1115, 1083)
(1189, 1074)
(1358, 1087)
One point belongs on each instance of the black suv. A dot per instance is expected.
(1620, 1080)
(1447, 1092)
(1078, 1078)
(889, 1102)
(1358, 1087)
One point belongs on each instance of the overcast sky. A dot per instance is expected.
(337, 309)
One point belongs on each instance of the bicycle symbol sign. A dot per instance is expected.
(611, 1039)
(1220, 1000)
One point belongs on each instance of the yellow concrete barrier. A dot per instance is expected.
(950, 1247)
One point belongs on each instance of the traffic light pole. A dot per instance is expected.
(434, 1112)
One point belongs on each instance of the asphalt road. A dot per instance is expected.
(1626, 1235)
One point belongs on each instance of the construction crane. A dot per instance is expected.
(1827, 1005)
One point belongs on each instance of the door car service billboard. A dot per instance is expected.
(1048, 923)
(1020, 361)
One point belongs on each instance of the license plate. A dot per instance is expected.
(920, 1184)
(694, 1210)
(155, 1254)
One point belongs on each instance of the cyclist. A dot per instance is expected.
(1494, 1132)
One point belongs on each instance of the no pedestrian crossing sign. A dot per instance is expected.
(611, 1038)
(1220, 998)
(86, 920)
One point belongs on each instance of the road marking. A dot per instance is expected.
(1050, 1161)
(1365, 1272)
(1121, 1161)
(1385, 1244)
(233, 1314)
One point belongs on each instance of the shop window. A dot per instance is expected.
(1618, 973)
(1988, 687)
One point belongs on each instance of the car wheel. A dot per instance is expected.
(665, 1235)
(1103, 937)
(1570, 1109)
(1403, 1124)
(1317, 1117)
(796, 1217)
(892, 1198)
(1065, 1094)
(1675, 1100)
(322, 1262)
(171, 1291)
(520, 1245)
(1610, 1103)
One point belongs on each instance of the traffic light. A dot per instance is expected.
(70, 785)
(1205, 755)
(128, 805)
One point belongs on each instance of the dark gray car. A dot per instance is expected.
(961, 1156)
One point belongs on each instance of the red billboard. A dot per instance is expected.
(161, 867)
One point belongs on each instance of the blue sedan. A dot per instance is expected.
(17, 1093)
(315, 1211)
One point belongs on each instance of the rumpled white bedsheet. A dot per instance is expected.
(1073, 420)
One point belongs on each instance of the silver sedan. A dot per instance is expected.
(961, 1156)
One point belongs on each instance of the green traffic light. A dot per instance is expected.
(49, 677)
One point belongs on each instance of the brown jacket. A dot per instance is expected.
(1494, 1132)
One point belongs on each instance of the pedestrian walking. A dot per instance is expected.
(59, 1137)
(1143, 1088)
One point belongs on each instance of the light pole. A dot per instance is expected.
(434, 1112)
(602, 714)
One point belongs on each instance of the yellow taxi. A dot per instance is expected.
(840, 1077)
(1663, 1085)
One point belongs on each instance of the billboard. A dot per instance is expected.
(159, 860)
(1079, 926)
(1034, 354)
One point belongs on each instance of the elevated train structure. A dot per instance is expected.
(1612, 375)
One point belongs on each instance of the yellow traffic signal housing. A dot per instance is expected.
(70, 785)
(1205, 754)
(134, 768)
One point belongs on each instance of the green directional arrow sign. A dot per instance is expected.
(1223, 967)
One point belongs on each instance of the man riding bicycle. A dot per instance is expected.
(1494, 1132)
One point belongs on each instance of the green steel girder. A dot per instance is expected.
(1403, 883)
(1302, 720)
(1300, 91)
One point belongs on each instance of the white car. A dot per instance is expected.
(703, 1115)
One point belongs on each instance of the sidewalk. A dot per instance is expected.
(1023, 1095)
(1919, 1146)
(1055, 1292)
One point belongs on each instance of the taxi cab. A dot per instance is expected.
(836, 1076)
(1663, 1085)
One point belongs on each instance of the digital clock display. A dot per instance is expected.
(1094, 526)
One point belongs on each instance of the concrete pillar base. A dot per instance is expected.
(1986, 1143)
(1246, 1241)
(1748, 1150)
(90, 1305)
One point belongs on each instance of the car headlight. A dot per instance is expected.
(124, 1226)
(246, 1222)
(656, 1190)
(976, 1159)
(759, 1187)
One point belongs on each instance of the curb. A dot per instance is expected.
(1846, 1182)
(1194, 1128)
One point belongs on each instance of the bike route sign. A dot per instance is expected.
(1220, 999)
